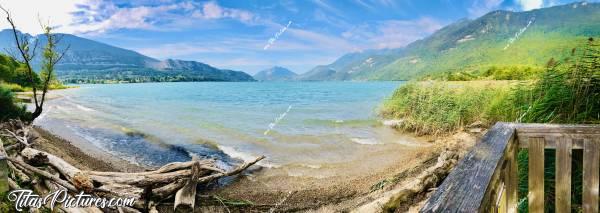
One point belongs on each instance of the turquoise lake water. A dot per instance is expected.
(292, 123)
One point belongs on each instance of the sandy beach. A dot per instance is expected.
(335, 188)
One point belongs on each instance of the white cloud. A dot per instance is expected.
(162, 17)
(212, 10)
(530, 4)
(57, 12)
(100, 17)
(97, 16)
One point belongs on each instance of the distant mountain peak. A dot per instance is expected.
(275, 73)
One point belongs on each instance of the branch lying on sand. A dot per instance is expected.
(391, 200)
(177, 178)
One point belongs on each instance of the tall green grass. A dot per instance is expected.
(567, 91)
(438, 107)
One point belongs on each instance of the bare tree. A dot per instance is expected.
(26, 53)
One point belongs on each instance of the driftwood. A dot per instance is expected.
(186, 196)
(17, 130)
(177, 179)
(23, 178)
(13, 185)
(42, 173)
(427, 179)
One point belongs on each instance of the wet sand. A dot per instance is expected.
(277, 190)
(81, 155)
(350, 187)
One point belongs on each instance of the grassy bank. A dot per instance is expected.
(438, 107)
(566, 91)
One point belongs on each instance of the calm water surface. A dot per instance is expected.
(292, 123)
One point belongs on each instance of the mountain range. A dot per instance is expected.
(499, 38)
(275, 74)
(90, 61)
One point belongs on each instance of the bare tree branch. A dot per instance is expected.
(26, 56)
(50, 58)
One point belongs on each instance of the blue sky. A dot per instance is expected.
(233, 34)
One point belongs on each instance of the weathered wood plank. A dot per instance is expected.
(577, 140)
(591, 157)
(536, 175)
(512, 183)
(465, 189)
(557, 128)
(563, 175)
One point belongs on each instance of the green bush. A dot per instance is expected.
(8, 108)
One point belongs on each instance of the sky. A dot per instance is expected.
(252, 35)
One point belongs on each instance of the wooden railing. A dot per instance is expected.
(486, 179)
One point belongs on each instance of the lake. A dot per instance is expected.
(308, 124)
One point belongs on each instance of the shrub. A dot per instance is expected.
(8, 108)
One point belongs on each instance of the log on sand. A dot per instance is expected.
(164, 182)
(178, 178)
(429, 178)
(186, 196)
(42, 173)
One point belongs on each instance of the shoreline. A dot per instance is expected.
(348, 186)
(76, 153)
(342, 186)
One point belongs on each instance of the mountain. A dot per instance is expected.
(352, 65)
(95, 62)
(200, 69)
(499, 38)
(275, 74)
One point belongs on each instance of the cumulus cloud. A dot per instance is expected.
(530, 4)
(57, 12)
(98, 16)
(212, 10)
